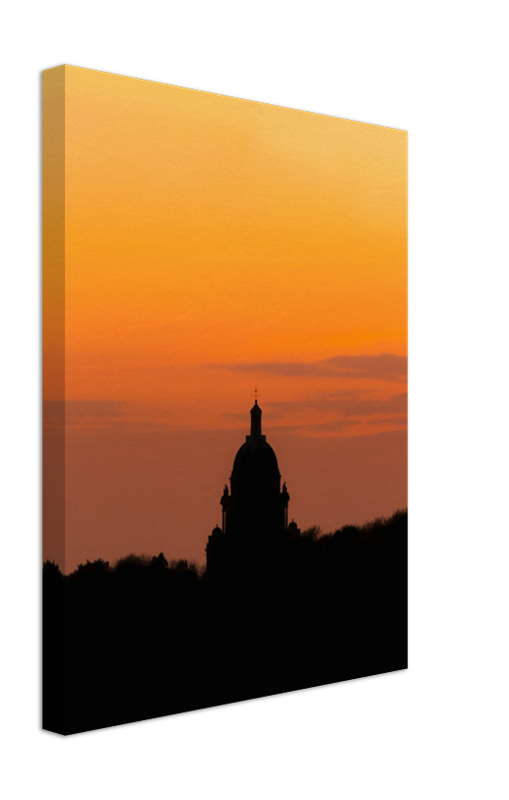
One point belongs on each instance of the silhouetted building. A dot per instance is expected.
(255, 508)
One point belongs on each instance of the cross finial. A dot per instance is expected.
(256, 395)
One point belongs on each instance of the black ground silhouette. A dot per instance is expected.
(146, 639)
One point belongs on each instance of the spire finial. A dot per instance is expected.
(255, 395)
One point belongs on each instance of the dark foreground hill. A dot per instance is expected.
(145, 639)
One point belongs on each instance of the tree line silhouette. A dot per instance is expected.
(145, 638)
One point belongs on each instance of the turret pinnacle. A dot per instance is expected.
(256, 420)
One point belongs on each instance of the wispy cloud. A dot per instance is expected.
(348, 404)
(120, 415)
(334, 412)
(384, 366)
(352, 426)
(77, 411)
(335, 426)
(396, 420)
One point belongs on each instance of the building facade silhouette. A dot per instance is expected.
(254, 508)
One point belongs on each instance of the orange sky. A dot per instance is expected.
(211, 245)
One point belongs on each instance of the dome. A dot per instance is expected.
(254, 509)
(255, 468)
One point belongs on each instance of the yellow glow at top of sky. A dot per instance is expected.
(152, 148)
(204, 228)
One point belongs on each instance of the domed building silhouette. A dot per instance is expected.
(254, 509)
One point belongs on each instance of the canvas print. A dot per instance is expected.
(224, 400)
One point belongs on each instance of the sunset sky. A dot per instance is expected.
(213, 245)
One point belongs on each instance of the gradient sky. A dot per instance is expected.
(213, 245)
